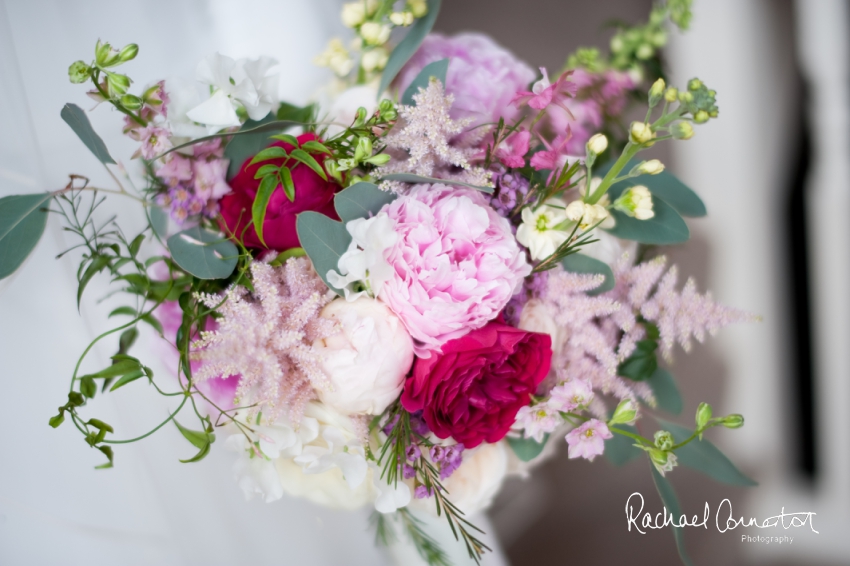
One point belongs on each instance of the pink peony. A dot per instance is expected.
(483, 76)
(455, 264)
(588, 440)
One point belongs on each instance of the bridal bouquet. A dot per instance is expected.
(431, 278)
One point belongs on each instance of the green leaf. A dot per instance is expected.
(283, 256)
(408, 46)
(107, 451)
(159, 221)
(665, 228)
(128, 338)
(526, 449)
(266, 170)
(251, 139)
(361, 200)
(705, 457)
(671, 502)
(120, 367)
(619, 449)
(75, 117)
(57, 420)
(580, 263)
(136, 244)
(127, 378)
(199, 456)
(274, 152)
(97, 264)
(411, 178)
(285, 176)
(309, 161)
(288, 138)
(87, 386)
(437, 69)
(22, 222)
(261, 203)
(129, 311)
(315, 147)
(324, 240)
(665, 186)
(292, 113)
(642, 363)
(153, 322)
(202, 253)
(201, 440)
(666, 393)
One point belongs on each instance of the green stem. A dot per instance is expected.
(631, 435)
(150, 432)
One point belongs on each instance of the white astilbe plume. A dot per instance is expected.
(426, 142)
(265, 337)
(680, 315)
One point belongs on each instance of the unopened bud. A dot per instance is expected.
(374, 33)
(733, 421)
(694, 84)
(360, 117)
(664, 440)
(374, 59)
(379, 160)
(651, 167)
(671, 94)
(78, 72)
(131, 102)
(703, 415)
(701, 117)
(682, 130)
(332, 167)
(353, 14)
(663, 461)
(636, 202)
(387, 109)
(402, 18)
(101, 52)
(685, 96)
(656, 92)
(641, 133)
(99, 424)
(117, 83)
(418, 7)
(645, 51)
(363, 149)
(128, 53)
(625, 413)
(597, 144)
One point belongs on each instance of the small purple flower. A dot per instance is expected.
(154, 140)
(413, 453)
(417, 424)
(451, 461)
(437, 454)
(422, 492)
(512, 189)
(388, 428)
(408, 471)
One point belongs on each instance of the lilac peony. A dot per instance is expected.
(455, 264)
(483, 76)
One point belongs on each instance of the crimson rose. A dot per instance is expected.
(311, 193)
(474, 388)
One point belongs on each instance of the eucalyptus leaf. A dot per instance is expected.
(671, 502)
(361, 200)
(324, 240)
(665, 228)
(158, 220)
(437, 69)
(666, 393)
(411, 178)
(705, 457)
(580, 263)
(527, 449)
(408, 46)
(202, 253)
(619, 449)
(664, 185)
(22, 222)
(75, 117)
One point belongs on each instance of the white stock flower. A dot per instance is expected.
(374, 33)
(363, 267)
(367, 361)
(587, 214)
(336, 57)
(353, 14)
(636, 202)
(537, 231)
(374, 59)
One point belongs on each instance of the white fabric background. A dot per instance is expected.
(150, 509)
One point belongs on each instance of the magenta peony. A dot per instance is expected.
(455, 264)
(473, 390)
(483, 76)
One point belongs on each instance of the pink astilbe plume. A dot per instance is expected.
(265, 337)
(650, 290)
(426, 141)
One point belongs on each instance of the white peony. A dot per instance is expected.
(367, 360)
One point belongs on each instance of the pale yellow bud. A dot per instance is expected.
(401, 18)
(418, 7)
(374, 60)
(597, 144)
(336, 57)
(374, 33)
(353, 14)
(651, 167)
(641, 133)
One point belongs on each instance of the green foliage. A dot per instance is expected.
(411, 178)
(361, 200)
(527, 449)
(22, 222)
(261, 203)
(250, 140)
(665, 228)
(671, 502)
(408, 46)
(620, 449)
(324, 240)
(437, 69)
(664, 185)
(199, 439)
(75, 117)
(203, 254)
(580, 263)
(666, 393)
(642, 363)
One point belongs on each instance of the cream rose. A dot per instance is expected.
(367, 360)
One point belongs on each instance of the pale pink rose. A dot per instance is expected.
(588, 440)
(456, 264)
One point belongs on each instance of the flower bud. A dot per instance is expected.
(597, 144)
(663, 461)
(664, 440)
(374, 60)
(374, 33)
(78, 72)
(701, 117)
(656, 92)
(387, 109)
(353, 14)
(346, 164)
(682, 131)
(733, 421)
(117, 83)
(402, 18)
(659, 38)
(651, 167)
(360, 116)
(101, 52)
(671, 94)
(379, 160)
(636, 202)
(641, 133)
(128, 53)
(332, 168)
(625, 413)
(645, 51)
(685, 96)
(694, 84)
(418, 7)
(131, 102)
(363, 149)
(703, 415)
